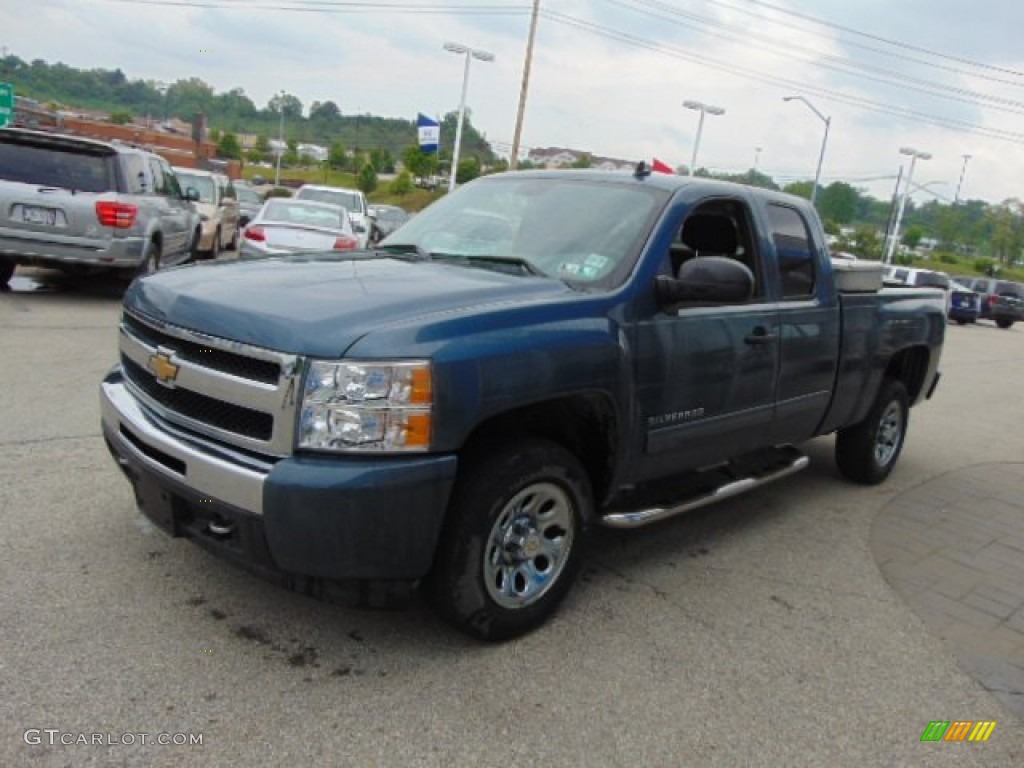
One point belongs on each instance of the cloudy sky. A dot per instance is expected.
(610, 76)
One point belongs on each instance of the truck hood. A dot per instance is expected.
(321, 306)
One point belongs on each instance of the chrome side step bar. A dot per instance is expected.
(643, 517)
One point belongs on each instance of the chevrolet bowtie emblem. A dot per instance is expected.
(166, 371)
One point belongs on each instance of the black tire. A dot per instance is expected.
(151, 262)
(1004, 323)
(867, 452)
(510, 546)
(7, 267)
(214, 251)
(961, 322)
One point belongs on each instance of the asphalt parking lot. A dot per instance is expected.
(773, 630)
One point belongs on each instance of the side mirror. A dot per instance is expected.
(712, 279)
(192, 194)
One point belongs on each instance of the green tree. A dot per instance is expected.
(467, 170)
(291, 154)
(382, 161)
(585, 160)
(912, 237)
(367, 178)
(401, 184)
(418, 162)
(121, 117)
(253, 155)
(838, 201)
(287, 103)
(228, 147)
(337, 157)
(799, 188)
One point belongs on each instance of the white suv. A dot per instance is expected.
(352, 200)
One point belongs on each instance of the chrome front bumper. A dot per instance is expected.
(234, 479)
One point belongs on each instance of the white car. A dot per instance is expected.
(287, 225)
(352, 200)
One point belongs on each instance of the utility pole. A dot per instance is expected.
(963, 170)
(514, 161)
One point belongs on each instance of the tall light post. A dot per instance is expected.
(963, 170)
(824, 141)
(470, 54)
(703, 109)
(915, 155)
(280, 140)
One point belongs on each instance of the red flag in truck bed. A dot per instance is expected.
(659, 167)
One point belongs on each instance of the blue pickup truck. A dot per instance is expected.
(534, 354)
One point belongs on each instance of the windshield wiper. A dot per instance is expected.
(491, 260)
(405, 249)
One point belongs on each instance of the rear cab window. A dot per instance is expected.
(795, 255)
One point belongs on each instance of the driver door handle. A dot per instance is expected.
(760, 335)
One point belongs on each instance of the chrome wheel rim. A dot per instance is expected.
(529, 545)
(889, 434)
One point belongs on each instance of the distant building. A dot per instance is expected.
(560, 157)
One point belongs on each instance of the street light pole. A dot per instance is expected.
(824, 141)
(963, 170)
(470, 53)
(702, 108)
(280, 141)
(914, 156)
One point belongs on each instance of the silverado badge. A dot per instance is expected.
(160, 364)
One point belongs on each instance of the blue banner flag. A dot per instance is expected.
(429, 132)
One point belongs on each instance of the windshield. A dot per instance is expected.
(933, 279)
(348, 200)
(581, 231)
(246, 195)
(283, 211)
(1010, 289)
(202, 184)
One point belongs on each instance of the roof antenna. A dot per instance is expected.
(642, 170)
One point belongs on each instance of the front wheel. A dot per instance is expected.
(867, 452)
(1004, 323)
(510, 546)
(7, 267)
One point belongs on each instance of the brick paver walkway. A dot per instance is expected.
(953, 548)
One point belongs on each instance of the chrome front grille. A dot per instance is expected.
(235, 393)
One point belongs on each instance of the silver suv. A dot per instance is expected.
(79, 204)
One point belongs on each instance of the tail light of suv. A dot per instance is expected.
(255, 233)
(114, 214)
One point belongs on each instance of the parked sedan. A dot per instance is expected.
(386, 219)
(249, 203)
(286, 225)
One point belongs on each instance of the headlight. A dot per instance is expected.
(366, 406)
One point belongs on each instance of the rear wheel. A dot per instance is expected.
(867, 452)
(151, 262)
(511, 544)
(1004, 323)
